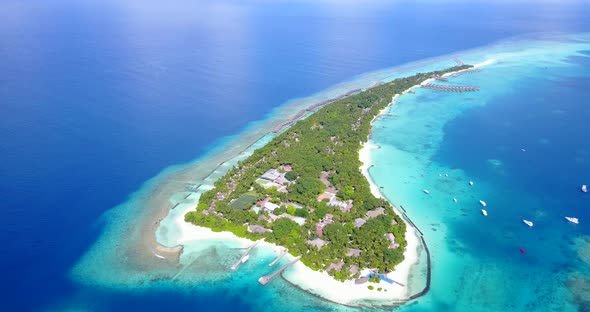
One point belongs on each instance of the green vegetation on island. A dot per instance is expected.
(304, 190)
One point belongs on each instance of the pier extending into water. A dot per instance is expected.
(237, 264)
(450, 88)
(283, 253)
(466, 71)
(265, 279)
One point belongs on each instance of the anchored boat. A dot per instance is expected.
(527, 222)
(572, 220)
(484, 212)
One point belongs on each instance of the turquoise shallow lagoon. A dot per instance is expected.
(114, 111)
(532, 97)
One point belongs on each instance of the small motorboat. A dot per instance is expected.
(572, 220)
(584, 188)
(245, 258)
(484, 212)
(471, 183)
(482, 203)
(522, 149)
(426, 192)
(455, 200)
(527, 222)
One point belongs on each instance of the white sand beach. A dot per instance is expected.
(320, 283)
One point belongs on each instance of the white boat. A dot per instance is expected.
(426, 192)
(522, 149)
(484, 212)
(482, 203)
(454, 199)
(161, 257)
(446, 174)
(572, 220)
(585, 188)
(471, 183)
(527, 222)
(245, 258)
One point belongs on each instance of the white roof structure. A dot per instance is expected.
(352, 252)
(318, 242)
(271, 174)
(257, 229)
(270, 206)
(358, 222)
(375, 212)
(299, 220)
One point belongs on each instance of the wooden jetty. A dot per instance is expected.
(458, 61)
(283, 253)
(450, 88)
(265, 279)
(237, 264)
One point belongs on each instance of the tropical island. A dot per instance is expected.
(304, 190)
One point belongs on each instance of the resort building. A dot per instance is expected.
(344, 206)
(295, 205)
(319, 229)
(353, 252)
(263, 202)
(361, 280)
(273, 217)
(285, 168)
(326, 195)
(220, 196)
(270, 206)
(257, 229)
(271, 175)
(318, 243)
(371, 214)
(298, 220)
(391, 238)
(358, 222)
(337, 266)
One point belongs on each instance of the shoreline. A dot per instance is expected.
(149, 219)
(142, 252)
(414, 236)
(320, 284)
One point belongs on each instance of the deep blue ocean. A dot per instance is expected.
(97, 97)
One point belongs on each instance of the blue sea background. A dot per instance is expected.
(97, 97)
